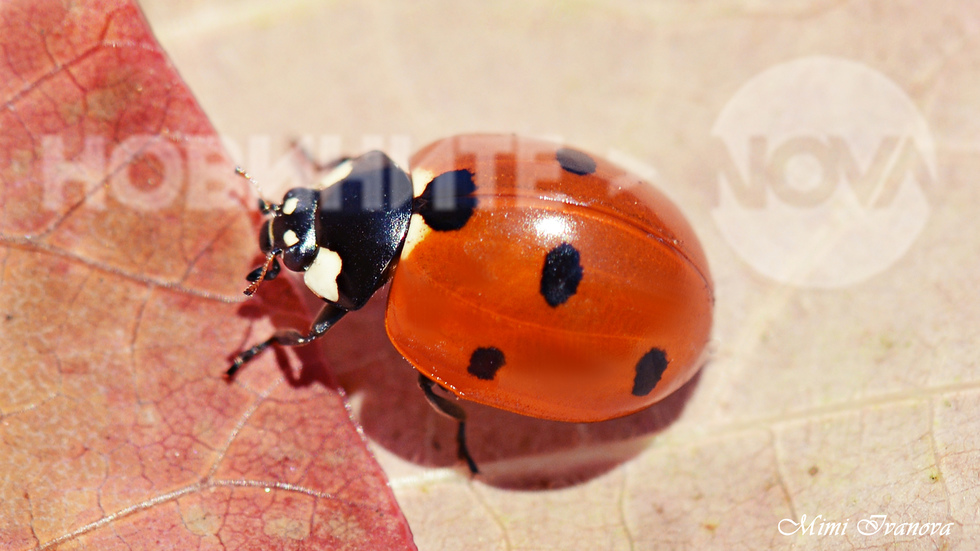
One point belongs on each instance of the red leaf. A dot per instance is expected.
(124, 238)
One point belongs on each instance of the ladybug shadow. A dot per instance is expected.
(513, 451)
(307, 365)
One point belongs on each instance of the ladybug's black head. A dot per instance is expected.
(290, 233)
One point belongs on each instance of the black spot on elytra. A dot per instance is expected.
(648, 371)
(575, 161)
(448, 202)
(485, 362)
(561, 274)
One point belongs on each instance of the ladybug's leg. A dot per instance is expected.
(312, 161)
(290, 337)
(453, 411)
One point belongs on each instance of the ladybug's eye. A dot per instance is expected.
(265, 237)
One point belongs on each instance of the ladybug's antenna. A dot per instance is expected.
(269, 259)
(264, 206)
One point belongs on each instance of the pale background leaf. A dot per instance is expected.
(850, 401)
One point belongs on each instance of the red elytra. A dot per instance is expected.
(632, 331)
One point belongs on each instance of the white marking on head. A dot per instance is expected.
(417, 230)
(289, 206)
(337, 174)
(421, 178)
(290, 238)
(321, 276)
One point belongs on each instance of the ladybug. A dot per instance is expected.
(527, 276)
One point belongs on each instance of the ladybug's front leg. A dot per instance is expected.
(453, 411)
(290, 337)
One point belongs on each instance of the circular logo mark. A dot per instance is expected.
(822, 165)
